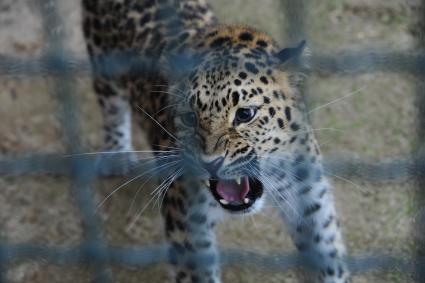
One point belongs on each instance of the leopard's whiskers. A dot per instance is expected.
(125, 184)
(117, 152)
(164, 108)
(159, 169)
(285, 196)
(165, 189)
(168, 93)
(168, 87)
(143, 209)
(359, 90)
(159, 124)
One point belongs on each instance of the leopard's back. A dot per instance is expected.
(146, 26)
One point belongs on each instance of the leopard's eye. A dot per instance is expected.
(189, 119)
(244, 115)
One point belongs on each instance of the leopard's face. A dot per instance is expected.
(239, 110)
(233, 119)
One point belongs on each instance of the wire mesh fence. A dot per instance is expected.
(83, 171)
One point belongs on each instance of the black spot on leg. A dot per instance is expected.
(301, 246)
(203, 244)
(177, 248)
(180, 205)
(202, 199)
(330, 239)
(198, 218)
(305, 190)
(195, 279)
(312, 209)
(299, 229)
(181, 276)
(169, 224)
(301, 174)
(328, 221)
(322, 192)
(340, 271)
(145, 19)
(180, 226)
(330, 271)
(191, 264)
(188, 246)
(295, 126)
(164, 13)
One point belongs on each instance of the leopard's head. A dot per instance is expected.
(241, 108)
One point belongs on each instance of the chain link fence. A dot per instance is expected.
(94, 252)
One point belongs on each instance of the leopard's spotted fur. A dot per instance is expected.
(228, 68)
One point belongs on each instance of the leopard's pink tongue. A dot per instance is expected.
(230, 191)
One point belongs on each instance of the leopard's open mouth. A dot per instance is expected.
(236, 195)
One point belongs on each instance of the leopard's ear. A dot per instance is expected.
(287, 55)
(295, 62)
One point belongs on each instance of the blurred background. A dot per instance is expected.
(374, 120)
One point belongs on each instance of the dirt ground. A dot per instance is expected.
(375, 122)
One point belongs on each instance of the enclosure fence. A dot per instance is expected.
(63, 67)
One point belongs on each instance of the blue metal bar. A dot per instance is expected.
(398, 169)
(81, 173)
(420, 177)
(143, 257)
(341, 63)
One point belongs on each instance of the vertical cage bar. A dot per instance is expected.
(3, 264)
(419, 168)
(295, 14)
(82, 172)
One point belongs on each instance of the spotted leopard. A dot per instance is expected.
(226, 97)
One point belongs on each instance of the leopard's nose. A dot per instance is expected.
(213, 166)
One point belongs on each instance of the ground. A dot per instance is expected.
(376, 122)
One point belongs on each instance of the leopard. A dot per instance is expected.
(221, 106)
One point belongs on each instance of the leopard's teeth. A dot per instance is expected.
(238, 181)
(206, 183)
(224, 202)
(246, 200)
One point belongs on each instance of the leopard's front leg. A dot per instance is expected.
(309, 212)
(190, 216)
